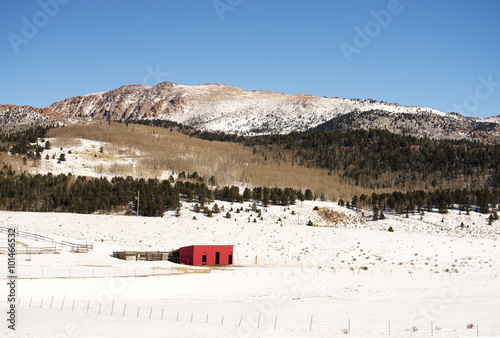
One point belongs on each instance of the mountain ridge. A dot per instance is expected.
(223, 108)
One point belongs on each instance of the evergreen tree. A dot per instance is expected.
(196, 208)
(265, 197)
(247, 194)
(309, 195)
(284, 200)
(375, 213)
(215, 209)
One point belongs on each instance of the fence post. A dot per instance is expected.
(112, 306)
(207, 319)
(311, 325)
(150, 312)
(432, 329)
(258, 323)
(275, 321)
(177, 319)
(390, 327)
(222, 322)
(41, 303)
(88, 306)
(191, 317)
(99, 308)
(62, 305)
(241, 319)
(124, 308)
(52, 301)
(73, 307)
(349, 326)
(138, 309)
(162, 314)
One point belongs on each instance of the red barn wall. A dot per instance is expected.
(193, 255)
(186, 255)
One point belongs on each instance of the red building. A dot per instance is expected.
(206, 255)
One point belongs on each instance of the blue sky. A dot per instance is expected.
(440, 54)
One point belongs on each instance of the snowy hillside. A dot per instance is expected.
(215, 107)
(289, 279)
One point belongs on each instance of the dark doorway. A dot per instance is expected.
(217, 258)
(230, 259)
(204, 259)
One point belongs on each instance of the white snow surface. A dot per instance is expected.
(230, 109)
(289, 279)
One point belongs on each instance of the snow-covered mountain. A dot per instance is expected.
(13, 118)
(215, 107)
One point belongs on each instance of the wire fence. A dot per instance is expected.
(266, 321)
(96, 271)
(104, 272)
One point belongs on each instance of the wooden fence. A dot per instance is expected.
(30, 250)
(75, 247)
(143, 255)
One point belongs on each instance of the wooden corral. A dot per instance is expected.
(142, 255)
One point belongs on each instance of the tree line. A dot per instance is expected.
(78, 194)
(481, 200)
(68, 193)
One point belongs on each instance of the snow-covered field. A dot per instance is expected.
(289, 279)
